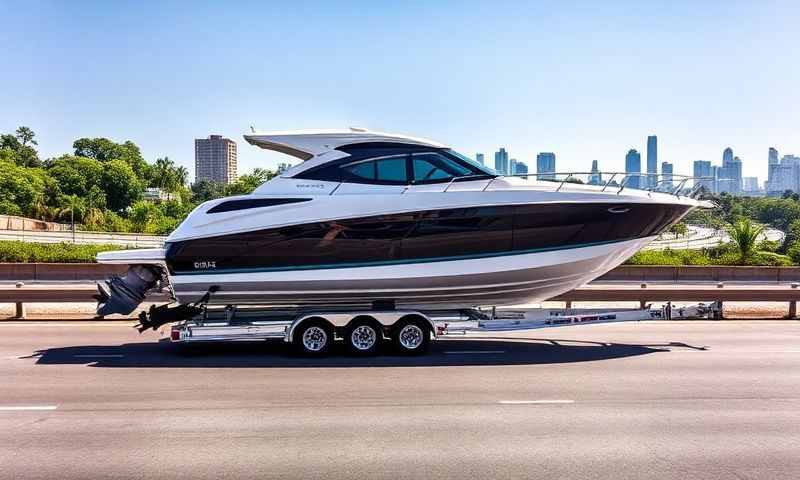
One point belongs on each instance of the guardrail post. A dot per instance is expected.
(20, 306)
(643, 302)
(793, 304)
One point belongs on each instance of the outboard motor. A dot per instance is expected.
(123, 294)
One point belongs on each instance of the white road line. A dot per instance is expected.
(534, 402)
(24, 408)
(98, 356)
(470, 352)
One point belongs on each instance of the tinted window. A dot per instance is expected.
(247, 203)
(433, 167)
(391, 170)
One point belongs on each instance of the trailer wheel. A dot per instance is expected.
(363, 336)
(314, 338)
(411, 336)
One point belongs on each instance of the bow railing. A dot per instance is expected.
(650, 182)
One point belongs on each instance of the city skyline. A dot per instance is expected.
(662, 73)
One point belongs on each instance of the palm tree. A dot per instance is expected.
(74, 207)
(745, 236)
(163, 175)
(39, 209)
(183, 175)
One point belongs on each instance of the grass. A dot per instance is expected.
(27, 252)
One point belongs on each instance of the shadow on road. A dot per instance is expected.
(276, 354)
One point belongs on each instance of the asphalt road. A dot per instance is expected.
(688, 400)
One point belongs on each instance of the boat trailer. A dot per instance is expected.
(313, 331)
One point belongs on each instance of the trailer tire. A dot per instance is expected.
(313, 338)
(363, 336)
(411, 336)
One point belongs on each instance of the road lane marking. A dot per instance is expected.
(98, 356)
(470, 352)
(24, 408)
(534, 402)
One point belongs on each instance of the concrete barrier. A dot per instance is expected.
(44, 272)
(11, 222)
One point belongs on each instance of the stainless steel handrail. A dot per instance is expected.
(552, 177)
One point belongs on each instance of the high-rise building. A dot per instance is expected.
(479, 158)
(666, 172)
(501, 161)
(772, 156)
(546, 165)
(595, 178)
(512, 166)
(727, 156)
(773, 171)
(521, 168)
(215, 159)
(730, 175)
(633, 168)
(702, 168)
(750, 185)
(652, 161)
(783, 176)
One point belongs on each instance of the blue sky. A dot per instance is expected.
(587, 80)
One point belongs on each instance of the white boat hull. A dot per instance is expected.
(496, 280)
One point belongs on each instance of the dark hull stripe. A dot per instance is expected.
(395, 262)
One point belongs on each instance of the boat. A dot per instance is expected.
(372, 219)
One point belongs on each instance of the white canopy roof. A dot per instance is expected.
(306, 144)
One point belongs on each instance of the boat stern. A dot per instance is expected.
(122, 294)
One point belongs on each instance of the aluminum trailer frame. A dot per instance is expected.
(363, 330)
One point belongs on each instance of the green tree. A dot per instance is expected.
(142, 215)
(249, 182)
(26, 136)
(21, 189)
(206, 190)
(679, 229)
(7, 155)
(182, 175)
(165, 175)
(24, 154)
(76, 175)
(121, 185)
(745, 237)
(105, 150)
(71, 209)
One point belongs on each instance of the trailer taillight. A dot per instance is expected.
(175, 334)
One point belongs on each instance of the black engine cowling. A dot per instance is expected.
(123, 294)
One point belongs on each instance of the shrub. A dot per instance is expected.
(26, 252)
(670, 257)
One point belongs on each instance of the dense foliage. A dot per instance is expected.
(26, 252)
(100, 185)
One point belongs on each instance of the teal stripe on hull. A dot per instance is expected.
(399, 262)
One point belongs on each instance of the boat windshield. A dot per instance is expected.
(477, 165)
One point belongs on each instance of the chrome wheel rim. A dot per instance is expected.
(314, 339)
(363, 337)
(411, 337)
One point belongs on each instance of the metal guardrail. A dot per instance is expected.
(643, 293)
